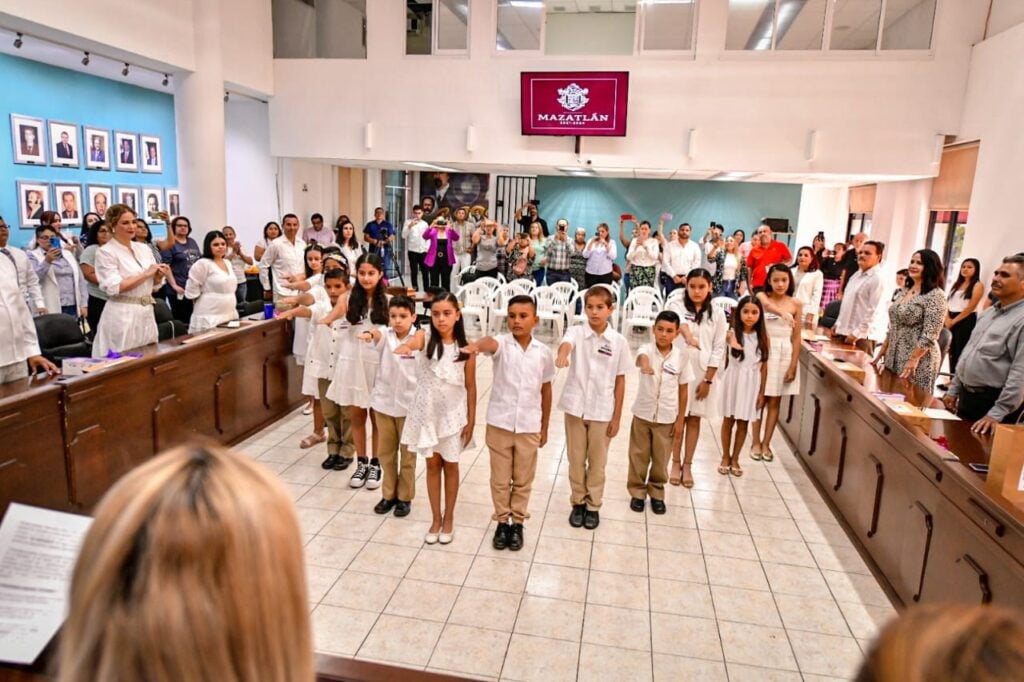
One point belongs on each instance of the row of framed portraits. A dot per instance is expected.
(67, 198)
(130, 152)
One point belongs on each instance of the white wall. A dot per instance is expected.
(306, 188)
(995, 98)
(1005, 15)
(872, 114)
(251, 171)
(900, 220)
(822, 208)
(247, 44)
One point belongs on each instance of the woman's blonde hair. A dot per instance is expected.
(948, 643)
(115, 212)
(192, 570)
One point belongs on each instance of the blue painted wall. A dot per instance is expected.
(585, 202)
(49, 92)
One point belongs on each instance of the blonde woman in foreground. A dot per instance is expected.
(192, 570)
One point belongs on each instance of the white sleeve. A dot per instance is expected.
(625, 361)
(718, 344)
(815, 303)
(108, 272)
(264, 265)
(197, 275)
(548, 371)
(571, 336)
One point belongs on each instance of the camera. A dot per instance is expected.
(442, 221)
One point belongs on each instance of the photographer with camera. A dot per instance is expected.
(558, 253)
(527, 214)
(441, 253)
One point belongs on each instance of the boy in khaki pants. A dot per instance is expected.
(658, 413)
(390, 400)
(598, 358)
(517, 417)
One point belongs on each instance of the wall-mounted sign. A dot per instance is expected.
(574, 103)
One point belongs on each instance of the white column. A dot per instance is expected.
(199, 120)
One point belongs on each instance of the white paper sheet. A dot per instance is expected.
(940, 413)
(38, 549)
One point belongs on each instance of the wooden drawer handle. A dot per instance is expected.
(881, 422)
(879, 484)
(225, 348)
(936, 471)
(10, 417)
(986, 591)
(818, 370)
(165, 367)
(987, 520)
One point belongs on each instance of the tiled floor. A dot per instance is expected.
(743, 579)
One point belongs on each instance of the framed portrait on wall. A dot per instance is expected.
(33, 199)
(129, 196)
(152, 154)
(67, 200)
(98, 142)
(126, 150)
(173, 202)
(64, 146)
(28, 140)
(152, 198)
(99, 198)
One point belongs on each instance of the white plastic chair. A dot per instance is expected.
(499, 302)
(568, 291)
(491, 283)
(677, 295)
(522, 286)
(551, 306)
(648, 290)
(640, 310)
(723, 303)
(475, 301)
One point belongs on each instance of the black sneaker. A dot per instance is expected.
(373, 477)
(658, 506)
(330, 462)
(591, 519)
(637, 505)
(576, 517)
(501, 534)
(402, 508)
(358, 479)
(384, 506)
(342, 463)
(515, 539)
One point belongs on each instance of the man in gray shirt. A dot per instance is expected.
(989, 383)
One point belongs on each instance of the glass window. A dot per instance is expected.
(751, 23)
(452, 25)
(419, 24)
(668, 24)
(908, 24)
(589, 27)
(326, 29)
(855, 24)
(520, 24)
(800, 24)
(436, 27)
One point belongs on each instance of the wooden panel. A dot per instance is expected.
(32, 469)
(951, 191)
(862, 199)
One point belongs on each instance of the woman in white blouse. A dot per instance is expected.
(128, 275)
(211, 283)
(643, 256)
(809, 282)
(600, 253)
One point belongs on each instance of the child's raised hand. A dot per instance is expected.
(370, 336)
(403, 349)
(733, 341)
(788, 317)
(645, 366)
(471, 348)
(562, 361)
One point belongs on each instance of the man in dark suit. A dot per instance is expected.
(70, 210)
(29, 143)
(64, 148)
(127, 153)
(96, 152)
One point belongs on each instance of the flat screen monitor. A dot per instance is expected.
(571, 103)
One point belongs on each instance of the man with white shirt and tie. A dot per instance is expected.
(25, 274)
(284, 257)
(19, 346)
(862, 317)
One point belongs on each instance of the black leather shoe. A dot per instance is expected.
(342, 463)
(591, 520)
(576, 517)
(637, 505)
(515, 538)
(501, 534)
(330, 461)
(658, 506)
(384, 506)
(402, 508)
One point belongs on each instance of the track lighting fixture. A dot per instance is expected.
(85, 59)
(18, 41)
(124, 71)
(166, 80)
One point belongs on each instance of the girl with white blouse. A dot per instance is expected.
(128, 275)
(211, 283)
(810, 282)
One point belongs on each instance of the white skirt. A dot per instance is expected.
(124, 326)
(740, 385)
(212, 309)
(780, 354)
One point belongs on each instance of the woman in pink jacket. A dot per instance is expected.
(441, 254)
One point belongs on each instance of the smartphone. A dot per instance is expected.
(626, 216)
(666, 216)
(154, 214)
(54, 242)
(978, 468)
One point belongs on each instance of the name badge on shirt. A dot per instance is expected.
(605, 349)
(772, 316)
(669, 369)
(689, 317)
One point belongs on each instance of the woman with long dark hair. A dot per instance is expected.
(809, 283)
(211, 284)
(271, 231)
(962, 303)
(911, 348)
(349, 243)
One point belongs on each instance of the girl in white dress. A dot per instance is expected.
(809, 283)
(365, 307)
(705, 329)
(443, 412)
(128, 275)
(743, 380)
(782, 315)
(211, 281)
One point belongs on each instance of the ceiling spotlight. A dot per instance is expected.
(124, 71)
(226, 96)
(18, 41)
(85, 59)
(166, 80)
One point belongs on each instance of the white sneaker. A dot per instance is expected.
(373, 477)
(358, 479)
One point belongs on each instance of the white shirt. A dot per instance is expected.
(594, 364)
(861, 314)
(27, 279)
(730, 267)
(708, 261)
(322, 341)
(657, 397)
(808, 289)
(18, 340)
(681, 258)
(518, 377)
(412, 233)
(710, 334)
(395, 384)
(283, 258)
(643, 254)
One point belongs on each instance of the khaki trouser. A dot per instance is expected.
(650, 446)
(513, 467)
(587, 445)
(399, 478)
(339, 423)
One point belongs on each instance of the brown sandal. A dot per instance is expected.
(723, 469)
(674, 476)
(687, 476)
(311, 440)
(736, 471)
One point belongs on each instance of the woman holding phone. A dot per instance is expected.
(600, 253)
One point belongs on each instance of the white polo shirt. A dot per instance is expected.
(518, 377)
(322, 347)
(395, 384)
(657, 397)
(595, 362)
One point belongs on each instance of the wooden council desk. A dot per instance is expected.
(921, 516)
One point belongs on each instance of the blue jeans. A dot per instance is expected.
(729, 289)
(538, 276)
(240, 292)
(69, 310)
(558, 276)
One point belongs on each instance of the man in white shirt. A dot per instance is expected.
(861, 321)
(415, 245)
(19, 346)
(284, 257)
(680, 257)
(28, 281)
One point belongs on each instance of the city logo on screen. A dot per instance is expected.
(574, 103)
(573, 97)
